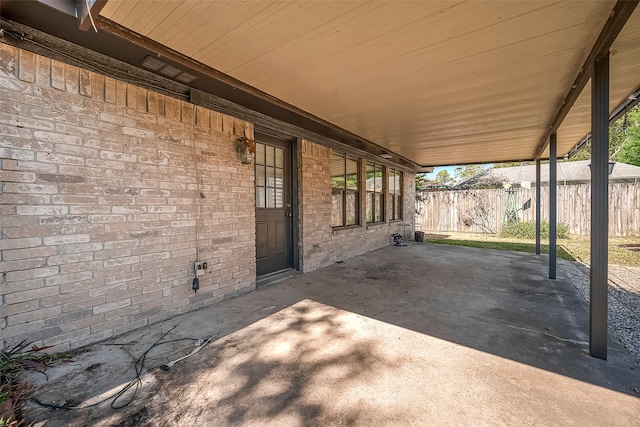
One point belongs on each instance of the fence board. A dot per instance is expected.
(482, 210)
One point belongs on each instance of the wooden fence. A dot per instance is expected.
(483, 210)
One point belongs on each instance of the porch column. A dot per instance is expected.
(538, 199)
(599, 207)
(553, 178)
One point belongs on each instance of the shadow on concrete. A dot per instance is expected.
(402, 335)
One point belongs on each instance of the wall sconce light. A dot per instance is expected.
(246, 148)
(611, 165)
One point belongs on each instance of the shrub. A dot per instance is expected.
(527, 230)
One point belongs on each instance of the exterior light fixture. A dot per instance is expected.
(611, 165)
(185, 77)
(169, 71)
(151, 63)
(161, 67)
(246, 148)
(386, 155)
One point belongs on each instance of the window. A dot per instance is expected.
(344, 190)
(375, 193)
(269, 176)
(395, 193)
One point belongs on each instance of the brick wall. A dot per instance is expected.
(109, 193)
(320, 244)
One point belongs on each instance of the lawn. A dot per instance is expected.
(622, 251)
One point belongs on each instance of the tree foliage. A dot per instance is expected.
(629, 152)
(624, 140)
(444, 178)
(421, 181)
(511, 164)
(465, 172)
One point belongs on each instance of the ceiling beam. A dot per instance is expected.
(619, 15)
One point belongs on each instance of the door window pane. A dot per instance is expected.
(260, 200)
(270, 153)
(259, 153)
(260, 181)
(279, 195)
(271, 198)
(279, 158)
(271, 177)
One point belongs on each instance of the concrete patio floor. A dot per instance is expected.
(417, 335)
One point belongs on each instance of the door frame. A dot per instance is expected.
(295, 196)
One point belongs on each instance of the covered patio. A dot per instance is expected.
(125, 179)
(416, 335)
(414, 85)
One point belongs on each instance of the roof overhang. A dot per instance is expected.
(432, 83)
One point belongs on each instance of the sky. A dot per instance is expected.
(450, 169)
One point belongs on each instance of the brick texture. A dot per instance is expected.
(320, 244)
(109, 194)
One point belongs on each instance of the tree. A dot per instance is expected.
(629, 152)
(624, 140)
(421, 181)
(443, 178)
(463, 173)
(511, 164)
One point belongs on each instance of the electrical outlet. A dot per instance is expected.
(199, 268)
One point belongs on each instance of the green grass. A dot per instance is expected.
(505, 246)
(622, 250)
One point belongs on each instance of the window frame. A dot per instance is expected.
(344, 190)
(269, 187)
(371, 194)
(396, 197)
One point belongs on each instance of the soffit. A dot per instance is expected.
(436, 82)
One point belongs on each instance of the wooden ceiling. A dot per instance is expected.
(439, 83)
